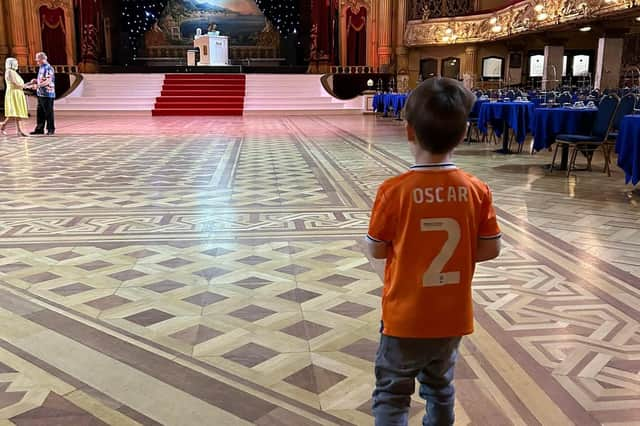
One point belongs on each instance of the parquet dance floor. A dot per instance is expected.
(211, 272)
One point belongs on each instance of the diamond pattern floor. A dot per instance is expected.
(172, 271)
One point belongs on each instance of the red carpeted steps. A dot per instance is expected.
(201, 94)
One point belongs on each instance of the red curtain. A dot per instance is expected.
(90, 24)
(54, 35)
(326, 18)
(357, 37)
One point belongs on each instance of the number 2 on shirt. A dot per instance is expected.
(434, 277)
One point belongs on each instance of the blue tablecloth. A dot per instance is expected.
(517, 115)
(384, 102)
(551, 122)
(628, 148)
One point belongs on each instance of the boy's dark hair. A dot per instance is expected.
(438, 110)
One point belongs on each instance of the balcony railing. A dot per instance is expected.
(513, 19)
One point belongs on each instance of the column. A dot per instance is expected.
(608, 63)
(384, 29)
(34, 34)
(402, 53)
(4, 44)
(16, 14)
(552, 73)
(470, 67)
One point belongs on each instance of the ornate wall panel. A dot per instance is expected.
(53, 32)
(33, 26)
(355, 7)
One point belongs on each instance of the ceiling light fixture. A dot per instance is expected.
(542, 16)
(496, 28)
(638, 18)
(585, 29)
(539, 7)
(493, 20)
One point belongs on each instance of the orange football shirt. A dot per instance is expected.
(432, 217)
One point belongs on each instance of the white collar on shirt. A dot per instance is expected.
(433, 166)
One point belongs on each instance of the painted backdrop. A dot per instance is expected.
(240, 20)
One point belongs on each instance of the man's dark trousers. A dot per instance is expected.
(45, 115)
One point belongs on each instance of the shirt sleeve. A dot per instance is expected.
(489, 228)
(382, 223)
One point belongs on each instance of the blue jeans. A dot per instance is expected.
(398, 363)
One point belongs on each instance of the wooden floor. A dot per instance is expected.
(211, 272)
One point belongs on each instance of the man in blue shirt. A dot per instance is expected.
(46, 85)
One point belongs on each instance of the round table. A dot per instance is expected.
(517, 116)
(628, 148)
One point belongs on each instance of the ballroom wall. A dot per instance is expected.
(502, 49)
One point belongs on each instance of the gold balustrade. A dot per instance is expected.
(518, 18)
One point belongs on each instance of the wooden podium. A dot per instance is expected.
(214, 49)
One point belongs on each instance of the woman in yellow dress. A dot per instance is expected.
(15, 102)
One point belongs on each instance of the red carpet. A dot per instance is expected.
(201, 94)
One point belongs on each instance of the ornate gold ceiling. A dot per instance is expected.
(515, 19)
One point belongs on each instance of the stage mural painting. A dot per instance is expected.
(52, 26)
(240, 20)
(250, 34)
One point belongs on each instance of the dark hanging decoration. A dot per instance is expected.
(283, 14)
(138, 17)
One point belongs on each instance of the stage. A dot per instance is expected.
(144, 93)
(182, 69)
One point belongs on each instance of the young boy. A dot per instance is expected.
(432, 224)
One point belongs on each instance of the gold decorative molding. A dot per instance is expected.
(515, 19)
(355, 5)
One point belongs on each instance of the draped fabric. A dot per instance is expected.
(357, 37)
(321, 10)
(89, 47)
(326, 18)
(54, 30)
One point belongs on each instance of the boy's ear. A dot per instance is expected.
(411, 133)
